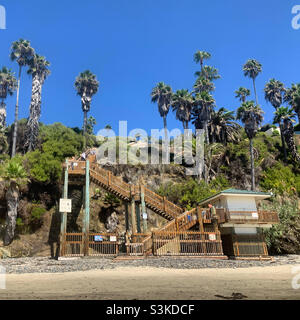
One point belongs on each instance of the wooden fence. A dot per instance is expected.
(248, 245)
(187, 244)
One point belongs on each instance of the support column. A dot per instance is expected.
(126, 217)
(143, 206)
(138, 217)
(63, 225)
(133, 215)
(86, 222)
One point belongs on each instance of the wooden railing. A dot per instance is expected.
(187, 244)
(126, 190)
(260, 217)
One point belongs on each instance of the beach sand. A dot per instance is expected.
(145, 283)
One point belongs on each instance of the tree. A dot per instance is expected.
(203, 84)
(274, 91)
(22, 52)
(202, 109)
(209, 73)
(252, 69)
(38, 68)
(87, 86)
(14, 176)
(8, 85)
(242, 93)
(91, 122)
(162, 94)
(252, 116)
(222, 128)
(199, 57)
(284, 116)
(182, 103)
(292, 97)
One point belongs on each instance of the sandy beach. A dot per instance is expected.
(145, 283)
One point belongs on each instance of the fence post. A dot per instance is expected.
(86, 224)
(63, 227)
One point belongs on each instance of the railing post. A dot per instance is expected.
(143, 204)
(200, 220)
(86, 223)
(63, 227)
(164, 199)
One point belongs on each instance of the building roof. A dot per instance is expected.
(237, 192)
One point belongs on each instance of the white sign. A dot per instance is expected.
(212, 237)
(255, 215)
(145, 216)
(65, 205)
(113, 238)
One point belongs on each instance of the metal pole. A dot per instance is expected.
(143, 204)
(86, 223)
(126, 217)
(138, 217)
(133, 217)
(63, 226)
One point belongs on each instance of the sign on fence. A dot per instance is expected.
(65, 205)
(98, 238)
(212, 237)
(113, 238)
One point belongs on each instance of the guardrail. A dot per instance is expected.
(260, 216)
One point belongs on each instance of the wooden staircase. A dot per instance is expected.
(126, 191)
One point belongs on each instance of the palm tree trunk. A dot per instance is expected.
(84, 129)
(2, 114)
(288, 133)
(252, 166)
(13, 152)
(254, 86)
(166, 140)
(283, 142)
(32, 127)
(12, 198)
(206, 132)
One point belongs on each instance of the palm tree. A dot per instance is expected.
(222, 128)
(22, 52)
(209, 73)
(203, 107)
(14, 176)
(86, 85)
(274, 91)
(200, 56)
(242, 93)
(162, 94)
(292, 97)
(8, 85)
(252, 69)
(182, 103)
(203, 84)
(38, 68)
(252, 116)
(284, 116)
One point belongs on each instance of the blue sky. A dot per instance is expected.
(133, 44)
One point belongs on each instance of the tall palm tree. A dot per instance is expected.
(252, 69)
(284, 116)
(208, 72)
(14, 176)
(274, 91)
(22, 52)
(222, 127)
(38, 68)
(86, 85)
(182, 103)
(252, 116)
(8, 85)
(203, 84)
(242, 93)
(162, 94)
(203, 107)
(292, 97)
(200, 56)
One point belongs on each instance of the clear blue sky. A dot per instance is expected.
(133, 44)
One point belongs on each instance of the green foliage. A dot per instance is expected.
(281, 179)
(13, 171)
(111, 200)
(189, 193)
(284, 237)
